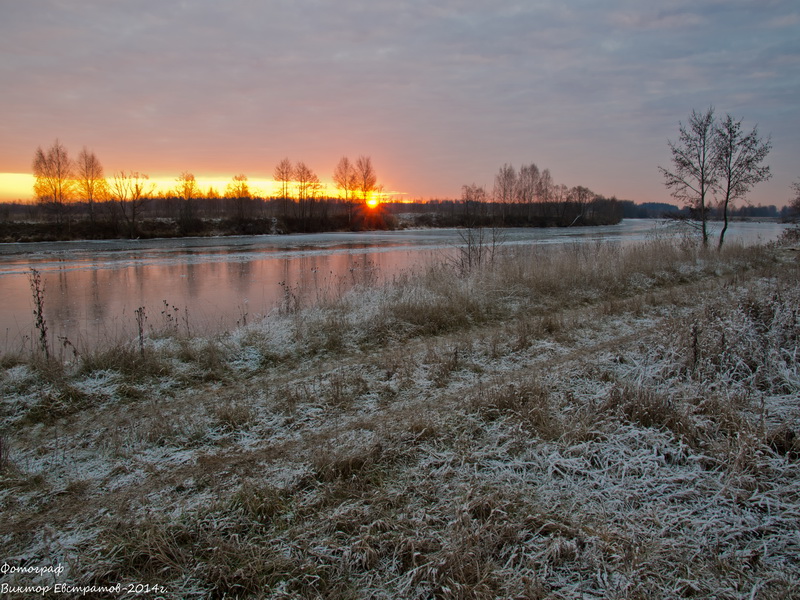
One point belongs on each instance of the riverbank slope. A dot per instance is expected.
(553, 422)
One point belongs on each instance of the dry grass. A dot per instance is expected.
(582, 422)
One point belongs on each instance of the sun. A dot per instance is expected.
(373, 201)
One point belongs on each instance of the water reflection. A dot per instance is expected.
(92, 289)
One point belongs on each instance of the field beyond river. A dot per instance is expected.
(524, 421)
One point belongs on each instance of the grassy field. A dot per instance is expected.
(576, 422)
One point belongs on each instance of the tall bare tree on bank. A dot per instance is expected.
(283, 176)
(505, 183)
(740, 159)
(695, 166)
(90, 180)
(344, 176)
(53, 171)
(544, 191)
(366, 179)
(308, 186)
(527, 181)
(130, 190)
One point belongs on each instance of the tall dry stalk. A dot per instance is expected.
(141, 319)
(37, 289)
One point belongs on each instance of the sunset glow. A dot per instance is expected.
(439, 97)
(16, 186)
(19, 187)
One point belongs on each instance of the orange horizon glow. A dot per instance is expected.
(19, 187)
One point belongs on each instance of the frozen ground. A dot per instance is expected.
(578, 424)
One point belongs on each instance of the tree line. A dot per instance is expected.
(82, 201)
(69, 189)
(714, 164)
(530, 197)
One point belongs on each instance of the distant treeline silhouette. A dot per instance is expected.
(660, 210)
(75, 200)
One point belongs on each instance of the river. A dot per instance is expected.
(92, 289)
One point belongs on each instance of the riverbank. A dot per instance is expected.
(554, 422)
(173, 218)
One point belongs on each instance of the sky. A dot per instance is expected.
(439, 94)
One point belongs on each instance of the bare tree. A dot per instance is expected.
(53, 172)
(366, 179)
(581, 197)
(283, 176)
(238, 187)
(504, 184)
(344, 176)
(527, 180)
(90, 179)
(740, 159)
(473, 197)
(187, 190)
(238, 191)
(695, 166)
(544, 191)
(308, 186)
(129, 190)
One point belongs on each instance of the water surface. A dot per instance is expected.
(204, 285)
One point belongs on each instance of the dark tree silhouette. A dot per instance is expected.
(740, 157)
(53, 171)
(90, 180)
(366, 179)
(129, 191)
(695, 168)
(283, 176)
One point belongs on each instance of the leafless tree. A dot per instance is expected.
(473, 197)
(53, 171)
(90, 180)
(366, 179)
(581, 197)
(740, 159)
(129, 190)
(344, 176)
(544, 190)
(238, 191)
(504, 184)
(527, 182)
(308, 186)
(187, 190)
(283, 176)
(695, 170)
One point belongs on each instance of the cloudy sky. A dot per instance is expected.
(438, 93)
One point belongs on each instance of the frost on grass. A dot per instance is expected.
(582, 425)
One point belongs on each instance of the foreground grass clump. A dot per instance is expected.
(564, 423)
